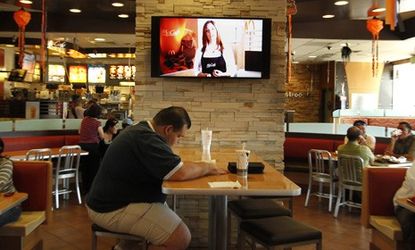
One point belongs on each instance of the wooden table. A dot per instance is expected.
(270, 183)
(20, 155)
(404, 203)
(407, 164)
(9, 202)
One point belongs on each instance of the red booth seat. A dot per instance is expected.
(31, 142)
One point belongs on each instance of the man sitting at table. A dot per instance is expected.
(352, 147)
(401, 143)
(126, 194)
(365, 139)
(405, 217)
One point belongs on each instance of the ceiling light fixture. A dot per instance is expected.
(341, 3)
(123, 15)
(75, 10)
(328, 16)
(117, 4)
(10, 45)
(312, 56)
(26, 2)
(379, 9)
(99, 39)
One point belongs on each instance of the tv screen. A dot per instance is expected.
(119, 72)
(77, 74)
(17, 75)
(210, 47)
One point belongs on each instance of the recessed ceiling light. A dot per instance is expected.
(345, 44)
(99, 39)
(117, 4)
(25, 1)
(75, 10)
(380, 9)
(341, 3)
(328, 16)
(123, 15)
(10, 45)
(312, 56)
(295, 62)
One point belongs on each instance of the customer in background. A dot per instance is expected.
(352, 147)
(110, 131)
(75, 109)
(405, 217)
(126, 194)
(364, 139)
(7, 187)
(90, 133)
(401, 143)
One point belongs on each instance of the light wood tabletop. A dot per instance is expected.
(7, 202)
(269, 183)
(20, 155)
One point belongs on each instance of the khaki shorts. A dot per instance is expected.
(153, 221)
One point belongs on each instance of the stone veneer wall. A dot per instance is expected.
(237, 110)
(304, 92)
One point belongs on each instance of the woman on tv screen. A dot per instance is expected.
(213, 59)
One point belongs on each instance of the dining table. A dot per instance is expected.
(379, 161)
(20, 155)
(8, 201)
(269, 183)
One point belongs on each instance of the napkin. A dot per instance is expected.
(225, 184)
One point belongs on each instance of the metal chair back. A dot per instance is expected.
(350, 169)
(38, 154)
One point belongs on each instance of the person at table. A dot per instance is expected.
(110, 131)
(405, 217)
(75, 109)
(7, 187)
(364, 139)
(90, 133)
(126, 195)
(213, 59)
(352, 147)
(401, 143)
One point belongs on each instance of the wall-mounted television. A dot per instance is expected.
(77, 73)
(96, 74)
(17, 75)
(56, 73)
(210, 47)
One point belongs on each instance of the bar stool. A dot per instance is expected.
(245, 209)
(282, 232)
(100, 231)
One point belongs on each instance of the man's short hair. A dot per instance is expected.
(353, 133)
(93, 111)
(359, 123)
(406, 125)
(175, 116)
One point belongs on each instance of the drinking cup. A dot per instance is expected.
(242, 162)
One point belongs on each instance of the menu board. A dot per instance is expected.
(56, 73)
(77, 74)
(29, 61)
(96, 74)
(121, 73)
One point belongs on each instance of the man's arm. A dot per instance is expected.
(192, 170)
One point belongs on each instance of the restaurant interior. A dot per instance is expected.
(319, 66)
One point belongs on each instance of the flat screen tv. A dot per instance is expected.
(120, 72)
(96, 73)
(56, 73)
(17, 75)
(210, 47)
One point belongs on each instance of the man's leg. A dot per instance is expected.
(179, 239)
(407, 220)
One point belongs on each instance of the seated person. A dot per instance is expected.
(126, 195)
(352, 147)
(401, 143)
(110, 131)
(7, 187)
(405, 217)
(364, 139)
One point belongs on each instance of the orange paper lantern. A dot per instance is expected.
(22, 18)
(374, 26)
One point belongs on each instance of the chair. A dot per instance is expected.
(281, 232)
(100, 231)
(35, 179)
(350, 169)
(67, 168)
(38, 154)
(244, 209)
(321, 170)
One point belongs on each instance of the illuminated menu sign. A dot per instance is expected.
(121, 72)
(96, 74)
(77, 74)
(56, 73)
